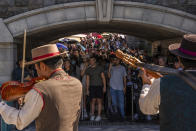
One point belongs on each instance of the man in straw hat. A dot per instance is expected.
(54, 104)
(170, 96)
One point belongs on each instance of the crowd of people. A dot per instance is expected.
(109, 86)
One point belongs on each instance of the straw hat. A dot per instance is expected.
(185, 49)
(44, 52)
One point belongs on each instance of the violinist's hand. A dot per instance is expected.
(21, 101)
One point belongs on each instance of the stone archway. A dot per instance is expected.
(143, 20)
(147, 21)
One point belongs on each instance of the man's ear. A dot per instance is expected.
(36, 66)
(42, 66)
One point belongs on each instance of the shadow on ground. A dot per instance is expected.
(93, 126)
(134, 127)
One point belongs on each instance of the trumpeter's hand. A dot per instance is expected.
(145, 79)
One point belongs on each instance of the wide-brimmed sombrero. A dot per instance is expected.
(44, 52)
(185, 49)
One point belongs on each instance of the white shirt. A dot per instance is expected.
(29, 112)
(150, 98)
(149, 101)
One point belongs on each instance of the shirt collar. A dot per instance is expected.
(58, 69)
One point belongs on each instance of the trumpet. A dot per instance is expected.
(155, 70)
(152, 70)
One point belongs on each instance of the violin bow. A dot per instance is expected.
(23, 64)
(24, 51)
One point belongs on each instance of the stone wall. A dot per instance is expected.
(7, 53)
(13, 7)
(163, 44)
(135, 42)
(138, 19)
(7, 61)
(184, 5)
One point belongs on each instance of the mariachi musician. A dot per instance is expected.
(170, 96)
(53, 103)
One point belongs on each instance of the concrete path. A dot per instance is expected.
(132, 127)
(136, 127)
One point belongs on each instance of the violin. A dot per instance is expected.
(12, 90)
